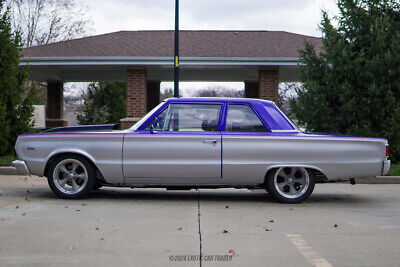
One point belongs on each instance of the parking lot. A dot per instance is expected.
(341, 225)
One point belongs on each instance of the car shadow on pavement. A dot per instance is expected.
(218, 195)
(221, 196)
(171, 195)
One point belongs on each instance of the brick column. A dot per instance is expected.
(268, 84)
(136, 97)
(153, 94)
(250, 89)
(55, 105)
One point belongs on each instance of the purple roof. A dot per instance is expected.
(221, 99)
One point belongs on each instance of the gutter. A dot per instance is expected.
(159, 61)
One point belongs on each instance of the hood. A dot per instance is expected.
(84, 128)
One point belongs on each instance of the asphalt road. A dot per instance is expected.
(341, 225)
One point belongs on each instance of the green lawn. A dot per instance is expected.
(6, 160)
(394, 170)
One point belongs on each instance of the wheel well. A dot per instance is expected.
(319, 176)
(99, 175)
(268, 173)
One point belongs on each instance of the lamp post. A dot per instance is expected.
(176, 51)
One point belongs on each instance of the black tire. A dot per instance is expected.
(271, 189)
(85, 190)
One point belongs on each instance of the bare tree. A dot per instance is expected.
(47, 21)
(221, 91)
(166, 93)
(287, 96)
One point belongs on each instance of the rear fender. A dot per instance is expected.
(292, 166)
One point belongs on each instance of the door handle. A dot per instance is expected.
(213, 141)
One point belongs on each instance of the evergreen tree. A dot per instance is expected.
(104, 103)
(16, 107)
(352, 86)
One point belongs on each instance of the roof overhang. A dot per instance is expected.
(159, 61)
(75, 69)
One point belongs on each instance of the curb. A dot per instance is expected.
(8, 170)
(379, 180)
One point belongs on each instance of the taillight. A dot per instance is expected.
(387, 151)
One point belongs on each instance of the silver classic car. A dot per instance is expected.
(186, 143)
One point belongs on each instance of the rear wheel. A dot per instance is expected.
(290, 184)
(71, 176)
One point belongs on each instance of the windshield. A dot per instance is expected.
(139, 122)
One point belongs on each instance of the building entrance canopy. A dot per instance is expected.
(143, 59)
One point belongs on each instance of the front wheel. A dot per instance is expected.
(290, 184)
(71, 176)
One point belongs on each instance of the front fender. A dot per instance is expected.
(72, 151)
(39, 167)
(104, 150)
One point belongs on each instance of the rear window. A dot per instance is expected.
(241, 118)
(278, 120)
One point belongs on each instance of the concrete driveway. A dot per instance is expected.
(341, 225)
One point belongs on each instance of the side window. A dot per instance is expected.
(187, 117)
(241, 118)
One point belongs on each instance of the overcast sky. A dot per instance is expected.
(298, 16)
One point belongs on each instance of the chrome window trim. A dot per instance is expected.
(284, 131)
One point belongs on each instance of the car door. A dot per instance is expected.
(183, 141)
(244, 148)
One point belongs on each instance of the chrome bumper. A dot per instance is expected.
(20, 166)
(386, 167)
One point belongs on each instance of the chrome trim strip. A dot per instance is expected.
(284, 131)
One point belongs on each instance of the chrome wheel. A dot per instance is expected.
(70, 176)
(291, 182)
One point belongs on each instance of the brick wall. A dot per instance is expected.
(136, 97)
(136, 93)
(268, 84)
(127, 122)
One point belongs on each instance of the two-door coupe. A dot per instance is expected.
(186, 143)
